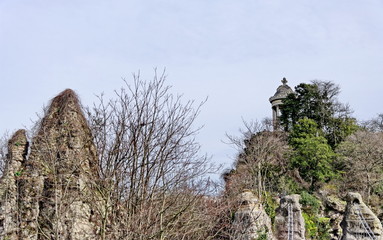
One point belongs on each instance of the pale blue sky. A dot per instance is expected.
(235, 52)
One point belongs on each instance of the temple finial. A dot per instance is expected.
(284, 81)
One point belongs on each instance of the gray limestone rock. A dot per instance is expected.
(335, 203)
(334, 209)
(51, 194)
(289, 219)
(359, 222)
(9, 185)
(251, 221)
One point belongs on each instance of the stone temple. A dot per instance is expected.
(277, 100)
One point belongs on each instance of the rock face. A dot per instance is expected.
(289, 220)
(9, 186)
(359, 221)
(251, 221)
(49, 195)
(334, 209)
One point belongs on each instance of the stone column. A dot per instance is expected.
(289, 219)
(251, 220)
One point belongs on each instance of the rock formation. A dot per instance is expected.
(49, 195)
(251, 221)
(289, 220)
(334, 209)
(9, 186)
(359, 222)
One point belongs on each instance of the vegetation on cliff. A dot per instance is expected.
(319, 151)
(129, 167)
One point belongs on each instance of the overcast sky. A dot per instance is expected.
(235, 52)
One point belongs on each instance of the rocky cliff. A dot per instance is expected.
(9, 186)
(49, 194)
(359, 222)
(250, 220)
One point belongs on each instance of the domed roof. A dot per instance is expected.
(282, 91)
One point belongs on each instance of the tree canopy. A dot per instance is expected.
(312, 156)
(318, 101)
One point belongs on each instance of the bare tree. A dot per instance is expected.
(153, 174)
(262, 154)
(374, 124)
(362, 157)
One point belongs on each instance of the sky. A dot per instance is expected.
(233, 52)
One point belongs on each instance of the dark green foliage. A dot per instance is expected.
(339, 129)
(287, 185)
(312, 156)
(262, 236)
(323, 228)
(309, 202)
(305, 102)
(304, 128)
(318, 101)
(270, 205)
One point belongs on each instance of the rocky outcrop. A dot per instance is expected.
(9, 186)
(289, 220)
(50, 195)
(251, 221)
(334, 209)
(359, 222)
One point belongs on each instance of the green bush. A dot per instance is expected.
(262, 235)
(309, 202)
(310, 225)
(288, 186)
(323, 228)
(270, 205)
(316, 227)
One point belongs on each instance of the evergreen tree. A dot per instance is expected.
(312, 156)
(318, 101)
